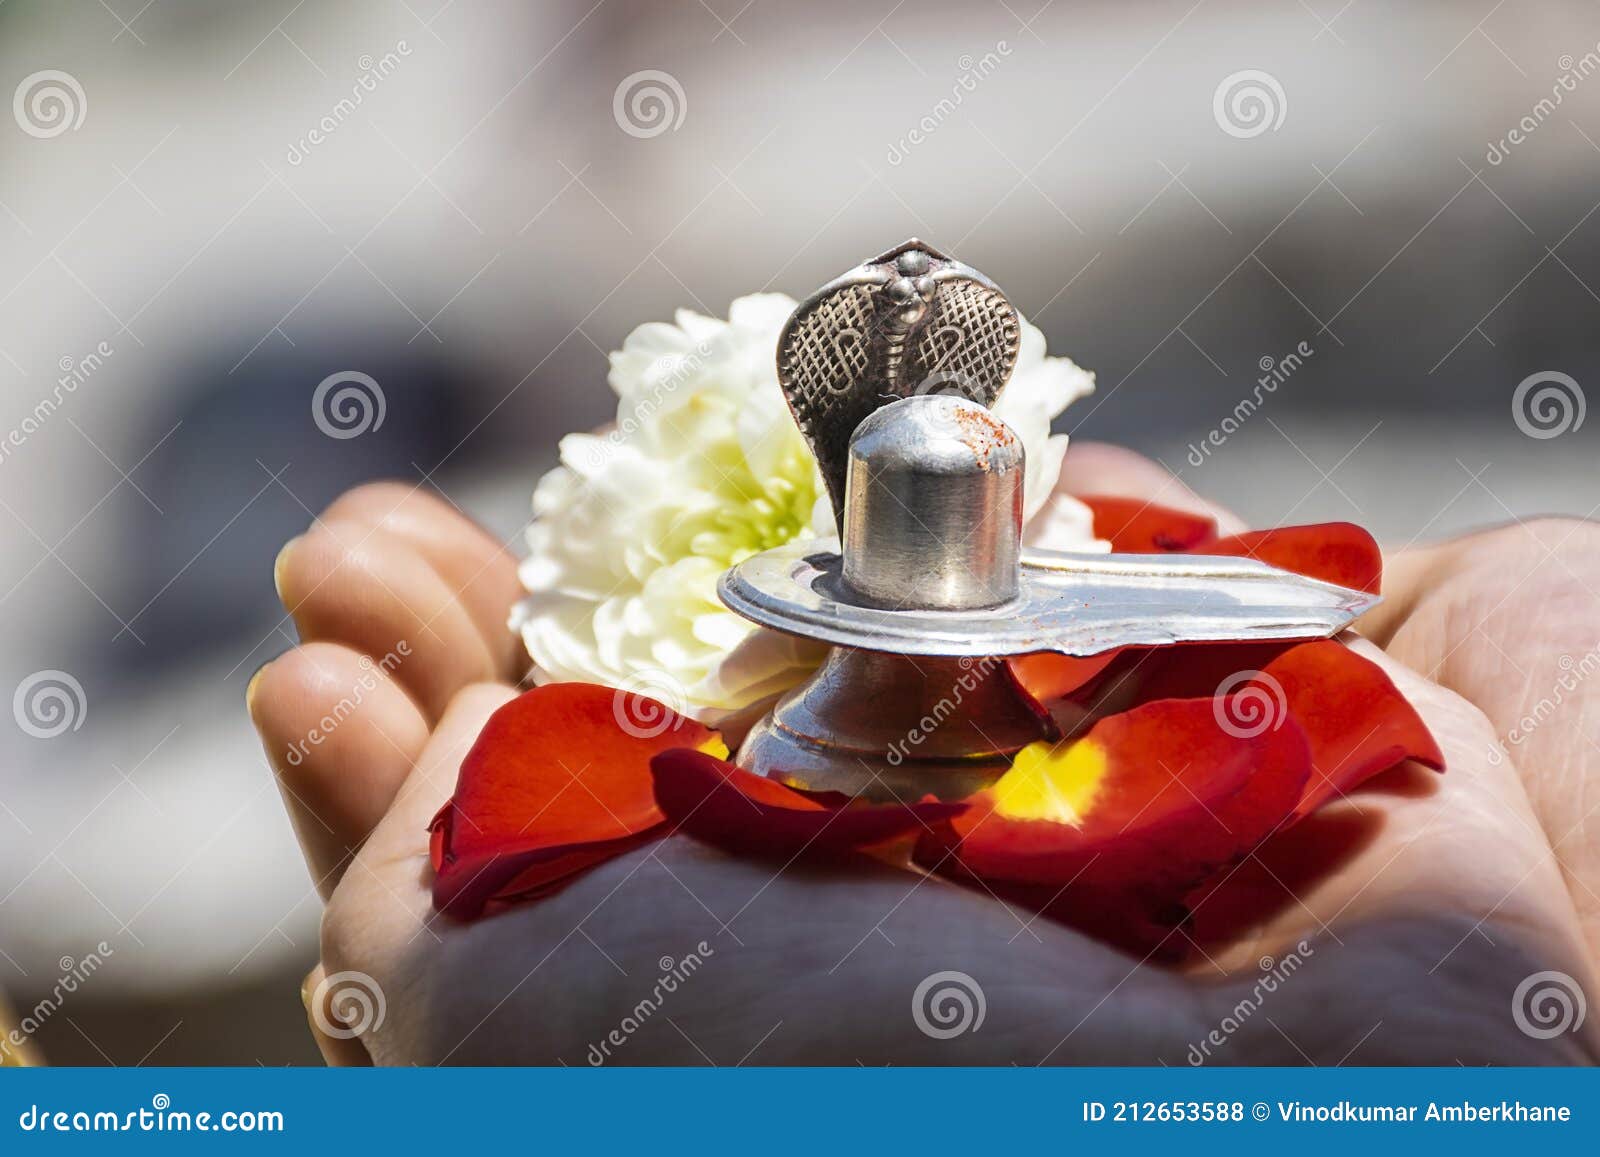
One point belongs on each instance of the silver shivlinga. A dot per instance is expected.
(890, 371)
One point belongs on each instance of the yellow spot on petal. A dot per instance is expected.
(714, 747)
(1052, 782)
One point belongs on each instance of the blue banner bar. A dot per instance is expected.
(763, 1112)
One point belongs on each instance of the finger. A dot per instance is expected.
(382, 912)
(1409, 577)
(363, 587)
(392, 879)
(1479, 803)
(545, 981)
(1099, 468)
(402, 834)
(1457, 858)
(1447, 900)
(341, 735)
(1504, 617)
(332, 1036)
(549, 977)
(468, 558)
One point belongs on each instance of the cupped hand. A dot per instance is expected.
(1449, 892)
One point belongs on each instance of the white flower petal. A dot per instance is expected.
(703, 469)
(1064, 524)
(762, 313)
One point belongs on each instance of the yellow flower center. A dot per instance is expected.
(756, 514)
(1052, 782)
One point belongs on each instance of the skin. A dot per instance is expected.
(1413, 909)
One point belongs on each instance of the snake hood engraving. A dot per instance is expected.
(910, 321)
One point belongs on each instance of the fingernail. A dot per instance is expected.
(280, 566)
(251, 687)
(308, 988)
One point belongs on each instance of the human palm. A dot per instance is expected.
(1413, 909)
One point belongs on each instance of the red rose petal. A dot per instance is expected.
(1356, 719)
(1174, 798)
(554, 784)
(542, 877)
(749, 815)
(1337, 552)
(1289, 864)
(1048, 675)
(1199, 670)
(468, 888)
(1134, 526)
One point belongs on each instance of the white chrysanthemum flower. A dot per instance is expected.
(704, 468)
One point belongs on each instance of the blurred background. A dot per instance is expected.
(209, 209)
